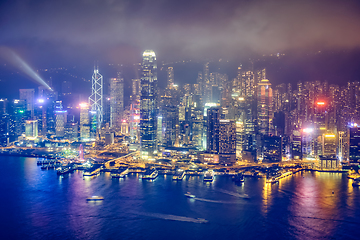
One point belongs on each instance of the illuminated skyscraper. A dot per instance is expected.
(272, 149)
(354, 146)
(135, 111)
(28, 96)
(135, 91)
(265, 107)
(61, 120)
(171, 123)
(212, 135)
(148, 104)
(329, 145)
(31, 129)
(116, 101)
(4, 123)
(206, 94)
(170, 77)
(227, 141)
(96, 98)
(4, 129)
(84, 121)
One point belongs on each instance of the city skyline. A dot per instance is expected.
(198, 119)
(245, 118)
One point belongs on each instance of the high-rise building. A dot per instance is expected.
(296, 152)
(206, 89)
(71, 131)
(212, 134)
(61, 120)
(28, 96)
(135, 91)
(96, 98)
(171, 123)
(170, 77)
(329, 147)
(148, 104)
(116, 101)
(84, 121)
(3, 105)
(197, 127)
(343, 152)
(4, 129)
(227, 141)
(4, 123)
(17, 118)
(354, 146)
(272, 149)
(31, 129)
(265, 107)
(135, 111)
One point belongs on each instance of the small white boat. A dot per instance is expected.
(189, 195)
(95, 198)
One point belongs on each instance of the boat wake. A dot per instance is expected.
(173, 217)
(235, 194)
(213, 201)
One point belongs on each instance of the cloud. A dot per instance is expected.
(180, 28)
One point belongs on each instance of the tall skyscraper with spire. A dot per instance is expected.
(96, 98)
(265, 107)
(148, 104)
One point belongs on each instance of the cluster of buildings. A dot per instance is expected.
(42, 114)
(247, 118)
(222, 120)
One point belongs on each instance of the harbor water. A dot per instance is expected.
(39, 204)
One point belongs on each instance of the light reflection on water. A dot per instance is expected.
(44, 205)
(266, 196)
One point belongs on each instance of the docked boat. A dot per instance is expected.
(120, 174)
(209, 176)
(124, 173)
(238, 178)
(64, 170)
(115, 175)
(91, 172)
(150, 174)
(95, 198)
(272, 180)
(356, 182)
(248, 174)
(51, 166)
(189, 195)
(179, 175)
(44, 167)
(260, 175)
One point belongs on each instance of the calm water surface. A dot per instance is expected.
(38, 204)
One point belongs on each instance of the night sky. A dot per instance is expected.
(74, 33)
